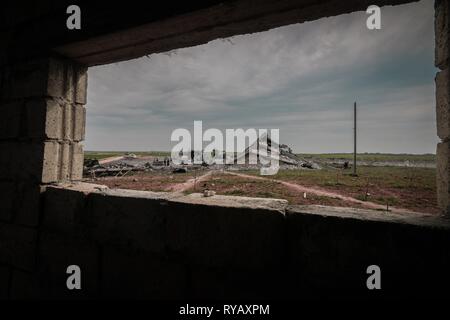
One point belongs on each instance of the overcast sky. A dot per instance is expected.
(302, 79)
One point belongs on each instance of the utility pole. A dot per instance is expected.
(354, 139)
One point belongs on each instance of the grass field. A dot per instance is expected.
(322, 156)
(391, 177)
(371, 156)
(410, 188)
(106, 154)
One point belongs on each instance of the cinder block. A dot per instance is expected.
(22, 285)
(65, 162)
(5, 274)
(2, 81)
(10, 120)
(442, 176)
(68, 124)
(140, 275)
(47, 77)
(79, 123)
(329, 250)
(4, 46)
(27, 161)
(60, 79)
(55, 119)
(51, 162)
(18, 246)
(21, 161)
(28, 209)
(63, 209)
(67, 80)
(219, 236)
(62, 161)
(133, 222)
(44, 119)
(442, 13)
(7, 149)
(81, 81)
(77, 162)
(7, 200)
(71, 161)
(28, 79)
(42, 162)
(238, 284)
(443, 104)
(57, 251)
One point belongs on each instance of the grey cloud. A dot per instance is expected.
(300, 78)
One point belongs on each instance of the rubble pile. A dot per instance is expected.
(115, 168)
(131, 163)
(286, 158)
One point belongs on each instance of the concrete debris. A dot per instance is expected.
(208, 193)
(91, 163)
(121, 166)
(130, 156)
(287, 159)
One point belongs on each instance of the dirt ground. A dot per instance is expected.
(146, 181)
(405, 188)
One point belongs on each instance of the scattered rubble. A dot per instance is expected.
(130, 162)
(180, 170)
(208, 193)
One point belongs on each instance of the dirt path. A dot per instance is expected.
(180, 187)
(110, 159)
(320, 192)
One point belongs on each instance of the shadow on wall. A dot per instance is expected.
(136, 244)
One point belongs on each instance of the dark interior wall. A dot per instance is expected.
(160, 245)
(192, 250)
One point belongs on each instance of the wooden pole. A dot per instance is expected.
(354, 139)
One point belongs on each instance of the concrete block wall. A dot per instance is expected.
(442, 35)
(133, 244)
(41, 130)
(165, 246)
(332, 247)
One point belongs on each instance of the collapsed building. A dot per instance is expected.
(265, 152)
(252, 157)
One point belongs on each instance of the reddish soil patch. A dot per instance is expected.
(226, 184)
(146, 181)
(414, 198)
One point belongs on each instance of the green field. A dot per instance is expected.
(371, 156)
(411, 188)
(384, 177)
(106, 154)
(321, 156)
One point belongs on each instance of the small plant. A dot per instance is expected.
(361, 197)
(235, 192)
